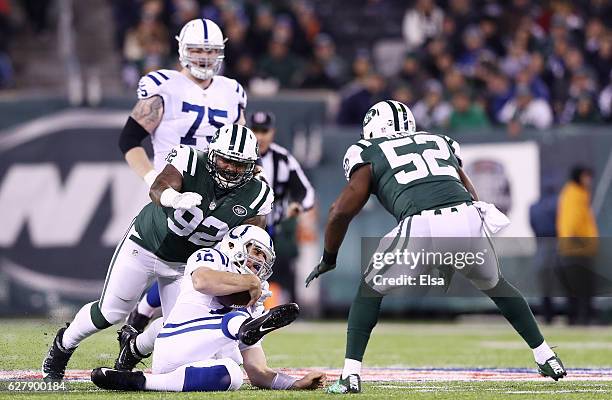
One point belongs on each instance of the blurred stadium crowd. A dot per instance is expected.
(460, 64)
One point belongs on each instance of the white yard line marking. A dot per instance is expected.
(396, 375)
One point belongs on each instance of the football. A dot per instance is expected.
(239, 299)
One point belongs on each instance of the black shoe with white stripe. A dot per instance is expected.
(111, 379)
(54, 364)
(553, 368)
(129, 355)
(253, 329)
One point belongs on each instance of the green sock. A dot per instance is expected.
(514, 307)
(363, 317)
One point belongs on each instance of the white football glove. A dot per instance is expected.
(180, 201)
(266, 293)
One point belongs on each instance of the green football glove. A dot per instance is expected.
(322, 268)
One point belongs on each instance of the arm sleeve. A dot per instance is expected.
(242, 96)
(183, 158)
(148, 86)
(352, 160)
(300, 188)
(208, 258)
(454, 146)
(267, 194)
(132, 135)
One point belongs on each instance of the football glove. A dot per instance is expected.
(266, 293)
(322, 268)
(180, 201)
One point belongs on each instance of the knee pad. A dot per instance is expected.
(218, 375)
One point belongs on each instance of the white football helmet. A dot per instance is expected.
(235, 244)
(205, 35)
(237, 144)
(386, 118)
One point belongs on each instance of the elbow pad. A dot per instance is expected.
(132, 135)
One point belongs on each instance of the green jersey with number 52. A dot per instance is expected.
(411, 172)
(173, 235)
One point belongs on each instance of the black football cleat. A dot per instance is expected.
(54, 364)
(553, 368)
(253, 329)
(111, 379)
(138, 321)
(129, 355)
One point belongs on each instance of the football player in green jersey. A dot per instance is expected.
(418, 178)
(196, 199)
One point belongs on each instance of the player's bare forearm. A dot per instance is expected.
(262, 376)
(138, 161)
(170, 177)
(335, 229)
(149, 113)
(468, 183)
(346, 207)
(256, 367)
(220, 283)
(258, 220)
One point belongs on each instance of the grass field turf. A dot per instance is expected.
(23, 344)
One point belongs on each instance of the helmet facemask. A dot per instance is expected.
(237, 171)
(244, 260)
(203, 61)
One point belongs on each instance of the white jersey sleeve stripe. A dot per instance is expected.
(266, 207)
(259, 196)
(194, 162)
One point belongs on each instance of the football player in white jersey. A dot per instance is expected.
(203, 342)
(180, 107)
(183, 107)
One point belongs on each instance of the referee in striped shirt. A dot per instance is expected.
(293, 194)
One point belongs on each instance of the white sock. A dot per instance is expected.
(233, 325)
(542, 353)
(145, 308)
(146, 340)
(80, 328)
(169, 382)
(351, 367)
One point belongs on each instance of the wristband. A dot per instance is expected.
(329, 258)
(168, 197)
(282, 381)
(149, 177)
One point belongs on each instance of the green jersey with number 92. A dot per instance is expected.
(173, 235)
(411, 172)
